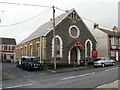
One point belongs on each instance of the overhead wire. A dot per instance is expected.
(24, 4)
(26, 19)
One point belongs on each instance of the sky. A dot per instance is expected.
(19, 21)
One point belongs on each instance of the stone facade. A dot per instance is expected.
(73, 38)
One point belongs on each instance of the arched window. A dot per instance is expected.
(31, 49)
(88, 48)
(59, 46)
(37, 49)
(25, 49)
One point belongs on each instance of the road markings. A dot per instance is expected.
(19, 86)
(111, 69)
(78, 76)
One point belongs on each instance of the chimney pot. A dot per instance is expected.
(96, 25)
(115, 29)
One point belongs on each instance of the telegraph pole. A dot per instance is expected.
(54, 38)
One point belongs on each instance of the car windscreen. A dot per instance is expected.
(32, 60)
(97, 59)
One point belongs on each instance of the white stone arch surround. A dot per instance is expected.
(78, 56)
(61, 46)
(91, 47)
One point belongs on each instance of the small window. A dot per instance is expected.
(9, 48)
(112, 54)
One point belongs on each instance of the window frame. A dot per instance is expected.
(78, 31)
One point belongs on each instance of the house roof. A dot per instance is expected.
(7, 41)
(44, 29)
(110, 33)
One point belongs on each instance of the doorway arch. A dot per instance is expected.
(74, 56)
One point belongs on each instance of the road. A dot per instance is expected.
(87, 78)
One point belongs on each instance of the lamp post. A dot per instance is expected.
(54, 57)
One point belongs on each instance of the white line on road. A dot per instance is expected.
(111, 69)
(77, 76)
(19, 86)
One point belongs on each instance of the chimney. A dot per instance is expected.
(96, 25)
(115, 29)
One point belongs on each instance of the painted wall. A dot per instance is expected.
(102, 43)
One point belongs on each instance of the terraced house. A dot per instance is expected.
(108, 42)
(7, 49)
(74, 42)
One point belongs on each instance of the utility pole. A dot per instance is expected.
(54, 58)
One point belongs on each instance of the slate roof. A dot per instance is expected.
(110, 33)
(7, 41)
(45, 28)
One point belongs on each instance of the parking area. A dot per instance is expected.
(15, 72)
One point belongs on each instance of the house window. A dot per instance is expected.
(113, 41)
(59, 46)
(118, 41)
(74, 31)
(88, 48)
(0, 47)
(8, 56)
(13, 48)
(5, 48)
(9, 48)
(112, 54)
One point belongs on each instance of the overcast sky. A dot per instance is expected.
(103, 12)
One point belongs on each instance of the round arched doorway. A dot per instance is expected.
(74, 55)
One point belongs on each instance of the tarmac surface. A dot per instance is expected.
(107, 86)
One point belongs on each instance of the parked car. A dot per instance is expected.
(30, 62)
(103, 61)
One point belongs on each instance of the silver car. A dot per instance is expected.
(103, 61)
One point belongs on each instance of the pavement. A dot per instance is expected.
(69, 69)
(114, 84)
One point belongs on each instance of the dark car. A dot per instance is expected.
(103, 61)
(18, 63)
(30, 62)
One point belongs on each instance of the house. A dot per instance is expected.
(74, 41)
(108, 42)
(7, 49)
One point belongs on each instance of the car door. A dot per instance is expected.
(106, 61)
(109, 61)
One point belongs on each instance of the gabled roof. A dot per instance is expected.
(110, 33)
(7, 41)
(44, 29)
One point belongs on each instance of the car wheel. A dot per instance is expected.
(103, 65)
(113, 64)
(28, 68)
